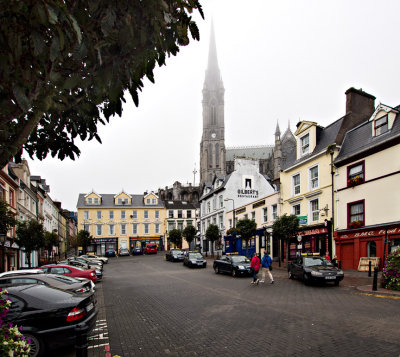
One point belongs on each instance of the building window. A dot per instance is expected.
(111, 214)
(253, 216)
(157, 228)
(355, 174)
(170, 213)
(296, 184)
(180, 226)
(85, 214)
(179, 213)
(171, 226)
(111, 229)
(96, 201)
(274, 212)
(146, 214)
(11, 198)
(221, 201)
(208, 207)
(146, 228)
(313, 175)
(86, 228)
(214, 203)
(314, 210)
(296, 210)
(153, 201)
(305, 144)
(134, 214)
(123, 228)
(189, 223)
(221, 222)
(157, 214)
(123, 214)
(230, 222)
(134, 228)
(246, 216)
(98, 214)
(89, 200)
(188, 213)
(265, 214)
(381, 125)
(99, 229)
(356, 214)
(148, 201)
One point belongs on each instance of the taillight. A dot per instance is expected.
(75, 314)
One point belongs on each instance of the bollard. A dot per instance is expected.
(375, 283)
(369, 268)
(81, 331)
(279, 260)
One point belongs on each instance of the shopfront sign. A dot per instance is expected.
(315, 231)
(374, 233)
(102, 240)
(302, 219)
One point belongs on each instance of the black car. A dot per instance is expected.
(137, 251)
(174, 255)
(110, 253)
(194, 259)
(58, 281)
(233, 264)
(314, 268)
(48, 316)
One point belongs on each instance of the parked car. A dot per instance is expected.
(174, 255)
(136, 251)
(82, 265)
(123, 252)
(93, 264)
(150, 248)
(58, 281)
(95, 257)
(314, 268)
(48, 316)
(233, 264)
(70, 271)
(194, 259)
(21, 271)
(110, 253)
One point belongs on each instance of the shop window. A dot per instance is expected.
(355, 174)
(371, 248)
(355, 214)
(381, 125)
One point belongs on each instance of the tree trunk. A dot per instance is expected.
(29, 258)
(287, 251)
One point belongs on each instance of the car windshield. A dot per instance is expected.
(240, 259)
(195, 256)
(151, 246)
(177, 252)
(313, 261)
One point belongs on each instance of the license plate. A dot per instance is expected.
(199, 263)
(330, 277)
(89, 307)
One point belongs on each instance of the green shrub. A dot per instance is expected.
(391, 271)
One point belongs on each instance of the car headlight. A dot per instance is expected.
(339, 272)
(241, 267)
(316, 273)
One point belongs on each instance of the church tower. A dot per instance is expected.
(212, 146)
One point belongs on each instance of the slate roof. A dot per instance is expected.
(254, 152)
(325, 137)
(225, 178)
(179, 205)
(108, 202)
(360, 140)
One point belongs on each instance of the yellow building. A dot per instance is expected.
(307, 176)
(121, 220)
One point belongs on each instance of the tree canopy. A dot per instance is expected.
(247, 228)
(30, 236)
(175, 237)
(212, 235)
(50, 240)
(284, 228)
(7, 218)
(65, 66)
(83, 238)
(189, 233)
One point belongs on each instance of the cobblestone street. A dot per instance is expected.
(156, 308)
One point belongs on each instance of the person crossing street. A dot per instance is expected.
(266, 263)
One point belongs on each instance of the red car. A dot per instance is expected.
(150, 248)
(70, 270)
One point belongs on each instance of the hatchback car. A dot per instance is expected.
(48, 316)
(110, 253)
(124, 252)
(69, 270)
(314, 268)
(174, 255)
(233, 264)
(58, 281)
(95, 257)
(137, 251)
(194, 259)
(150, 248)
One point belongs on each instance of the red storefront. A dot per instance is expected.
(353, 244)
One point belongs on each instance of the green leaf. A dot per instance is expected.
(76, 28)
(38, 43)
(21, 98)
(71, 82)
(52, 15)
(54, 49)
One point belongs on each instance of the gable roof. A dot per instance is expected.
(108, 202)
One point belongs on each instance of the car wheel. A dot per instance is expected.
(306, 279)
(37, 346)
(234, 273)
(216, 269)
(290, 275)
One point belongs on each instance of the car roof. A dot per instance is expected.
(21, 272)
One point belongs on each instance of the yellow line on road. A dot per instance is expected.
(382, 296)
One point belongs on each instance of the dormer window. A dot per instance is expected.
(305, 144)
(89, 201)
(122, 201)
(96, 201)
(381, 125)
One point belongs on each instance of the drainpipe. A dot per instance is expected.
(330, 246)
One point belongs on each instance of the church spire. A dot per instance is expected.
(213, 76)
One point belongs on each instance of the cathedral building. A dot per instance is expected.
(215, 158)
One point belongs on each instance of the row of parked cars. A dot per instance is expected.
(49, 302)
(149, 248)
(192, 259)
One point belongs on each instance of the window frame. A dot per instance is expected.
(274, 212)
(265, 214)
(349, 221)
(123, 214)
(386, 123)
(123, 228)
(294, 185)
(305, 147)
(294, 209)
(310, 179)
(146, 214)
(311, 211)
(134, 228)
(351, 177)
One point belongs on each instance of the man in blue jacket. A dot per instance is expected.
(266, 263)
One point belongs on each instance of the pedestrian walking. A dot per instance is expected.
(266, 263)
(255, 266)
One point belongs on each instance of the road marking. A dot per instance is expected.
(382, 296)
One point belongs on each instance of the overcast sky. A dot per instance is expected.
(280, 61)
